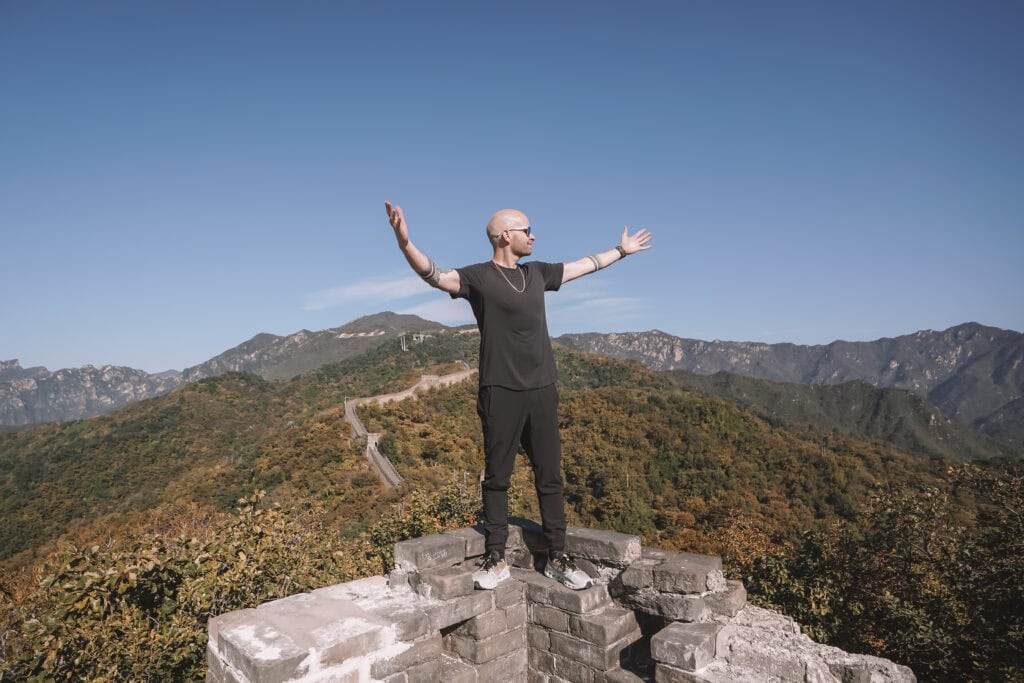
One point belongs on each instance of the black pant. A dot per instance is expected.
(529, 417)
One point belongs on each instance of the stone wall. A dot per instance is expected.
(652, 615)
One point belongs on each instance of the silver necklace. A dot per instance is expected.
(519, 268)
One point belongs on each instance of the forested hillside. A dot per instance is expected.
(129, 528)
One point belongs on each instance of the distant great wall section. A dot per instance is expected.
(385, 468)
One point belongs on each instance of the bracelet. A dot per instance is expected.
(622, 252)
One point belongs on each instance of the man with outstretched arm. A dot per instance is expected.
(517, 401)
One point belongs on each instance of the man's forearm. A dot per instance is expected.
(590, 264)
(424, 266)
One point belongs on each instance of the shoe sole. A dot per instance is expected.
(565, 582)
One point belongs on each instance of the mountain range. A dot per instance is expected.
(957, 392)
(972, 373)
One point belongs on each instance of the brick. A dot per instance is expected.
(515, 616)
(427, 672)
(445, 583)
(436, 550)
(541, 661)
(728, 602)
(597, 657)
(487, 649)
(606, 547)
(664, 673)
(506, 668)
(603, 628)
(449, 612)
(619, 676)
(540, 589)
(669, 605)
(640, 574)
(685, 646)
(474, 539)
(484, 626)
(572, 670)
(423, 650)
(399, 580)
(550, 618)
(538, 638)
(509, 592)
(681, 576)
(454, 670)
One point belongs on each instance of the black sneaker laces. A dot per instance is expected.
(563, 562)
(490, 562)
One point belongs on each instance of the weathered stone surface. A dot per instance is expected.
(454, 670)
(509, 592)
(484, 626)
(619, 676)
(445, 583)
(605, 627)
(486, 649)
(669, 605)
(542, 590)
(681, 575)
(541, 660)
(286, 638)
(426, 649)
(508, 668)
(474, 539)
(685, 646)
(573, 670)
(531, 533)
(550, 618)
(396, 608)
(443, 614)
(595, 656)
(728, 602)
(608, 547)
(538, 637)
(516, 615)
(437, 550)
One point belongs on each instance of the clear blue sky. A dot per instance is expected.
(178, 176)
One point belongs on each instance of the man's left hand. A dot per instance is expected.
(638, 241)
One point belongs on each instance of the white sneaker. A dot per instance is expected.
(493, 570)
(564, 570)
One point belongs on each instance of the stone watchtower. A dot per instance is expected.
(652, 615)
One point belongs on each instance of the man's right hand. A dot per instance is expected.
(398, 223)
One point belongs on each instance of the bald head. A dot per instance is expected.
(506, 219)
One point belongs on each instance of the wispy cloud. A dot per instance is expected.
(443, 310)
(375, 290)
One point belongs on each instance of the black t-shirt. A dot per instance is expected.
(515, 349)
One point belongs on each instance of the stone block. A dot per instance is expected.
(531, 534)
(487, 649)
(664, 673)
(606, 547)
(681, 575)
(671, 606)
(509, 592)
(436, 550)
(685, 646)
(541, 661)
(443, 614)
(728, 602)
(426, 649)
(399, 580)
(640, 574)
(484, 626)
(507, 668)
(473, 537)
(619, 676)
(605, 627)
(265, 644)
(398, 609)
(542, 590)
(572, 670)
(598, 657)
(515, 616)
(550, 618)
(427, 672)
(538, 637)
(454, 670)
(445, 583)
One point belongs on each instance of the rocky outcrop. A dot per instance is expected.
(969, 371)
(33, 395)
(652, 615)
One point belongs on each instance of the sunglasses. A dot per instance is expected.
(527, 230)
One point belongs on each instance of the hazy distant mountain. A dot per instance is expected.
(970, 372)
(274, 357)
(31, 395)
(896, 416)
